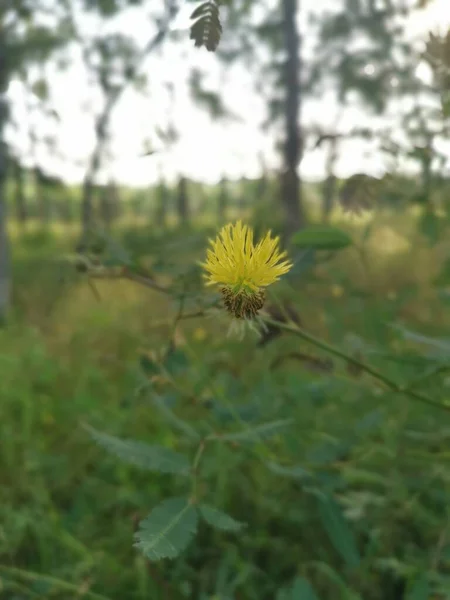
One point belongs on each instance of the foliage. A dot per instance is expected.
(282, 481)
(207, 28)
(322, 237)
(305, 461)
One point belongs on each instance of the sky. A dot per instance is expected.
(206, 151)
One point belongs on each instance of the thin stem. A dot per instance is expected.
(175, 322)
(195, 467)
(145, 281)
(392, 385)
(63, 585)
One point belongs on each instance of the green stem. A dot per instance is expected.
(59, 583)
(195, 467)
(392, 385)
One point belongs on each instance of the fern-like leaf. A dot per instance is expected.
(218, 519)
(207, 29)
(145, 456)
(168, 529)
(257, 433)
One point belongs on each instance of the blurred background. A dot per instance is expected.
(124, 144)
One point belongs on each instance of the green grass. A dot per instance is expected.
(68, 510)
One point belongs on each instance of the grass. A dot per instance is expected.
(68, 510)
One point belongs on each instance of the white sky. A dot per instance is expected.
(206, 150)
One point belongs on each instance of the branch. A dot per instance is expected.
(392, 385)
(126, 274)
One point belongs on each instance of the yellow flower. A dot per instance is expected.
(337, 290)
(199, 334)
(244, 268)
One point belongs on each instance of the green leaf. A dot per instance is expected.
(420, 589)
(328, 573)
(176, 362)
(168, 529)
(254, 434)
(367, 232)
(148, 366)
(302, 590)
(220, 520)
(294, 472)
(322, 237)
(442, 345)
(338, 530)
(303, 261)
(152, 458)
(370, 422)
(429, 226)
(444, 275)
(176, 422)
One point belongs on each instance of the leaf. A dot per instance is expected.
(367, 232)
(338, 530)
(302, 590)
(173, 419)
(220, 520)
(322, 237)
(294, 472)
(420, 589)
(176, 362)
(152, 458)
(370, 421)
(442, 345)
(207, 30)
(303, 261)
(328, 452)
(168, 529)
(40, 89)
(429, 226)
(444, 276)
(327, 572)
(148, 366)
(247, 412)
(253, 434)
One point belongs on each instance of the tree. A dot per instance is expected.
(162, 204)
(183, 200)
(4, 243)
(222, 199)
(114, 62)
(333, 139)
(22, 42)
(360, 52)
(270, 46)
(291, 193)
(18, 174)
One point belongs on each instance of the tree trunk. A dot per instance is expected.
(261, 189)
(427, 173)
(5, 282)
(329, 186)
(19, 192)
(41, 197)
(87, 198)
(5, 272)
(222, 200)
(291, 188)
(183, 201)
(103, 121)
(109, 204)
(162, 199)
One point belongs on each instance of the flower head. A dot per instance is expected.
(243, 268)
